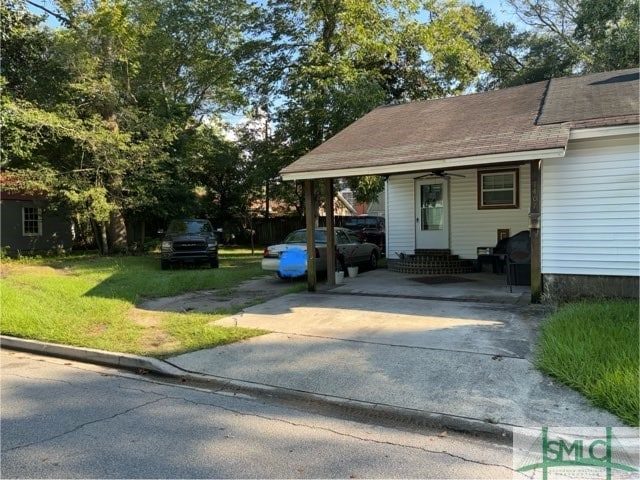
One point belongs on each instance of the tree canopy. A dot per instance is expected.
(118, 110)
(558, 38)
(101, 111)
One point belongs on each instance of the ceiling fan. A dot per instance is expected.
(439, 174)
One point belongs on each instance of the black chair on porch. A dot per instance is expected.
(493, 255)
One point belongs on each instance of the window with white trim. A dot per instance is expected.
(31, 221)
(498, 189)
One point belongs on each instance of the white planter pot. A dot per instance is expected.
(339, 278)
(353, 271)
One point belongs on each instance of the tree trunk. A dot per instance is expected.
(96, 234)
(266, 210)
(117, 232)
(143, 234)
(104, 238)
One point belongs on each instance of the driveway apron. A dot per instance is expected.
(448, 357)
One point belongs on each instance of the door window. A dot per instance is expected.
(431, 207)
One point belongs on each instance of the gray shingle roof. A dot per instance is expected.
(528, 118)
(599, 96)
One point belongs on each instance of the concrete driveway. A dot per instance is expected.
(425, 351)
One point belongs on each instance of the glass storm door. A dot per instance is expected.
(432, 214)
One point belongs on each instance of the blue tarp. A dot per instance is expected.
(293, 263)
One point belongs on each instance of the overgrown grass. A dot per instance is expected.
(88, 301)
(594, 348)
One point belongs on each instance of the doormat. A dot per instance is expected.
(437, 279)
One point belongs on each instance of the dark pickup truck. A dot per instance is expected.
(189, 241)
(368, 228)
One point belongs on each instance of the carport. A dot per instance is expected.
(310, 197)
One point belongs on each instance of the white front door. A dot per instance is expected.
(432, 214)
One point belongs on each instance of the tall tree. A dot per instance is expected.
(601, 35)
(131, 77)
(326, 63)
(519, 57)
(220, 172)
(609, 31)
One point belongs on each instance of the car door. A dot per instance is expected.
(342, 245)
(358, 250)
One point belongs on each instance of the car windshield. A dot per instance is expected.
(189, 226)
(300, 236)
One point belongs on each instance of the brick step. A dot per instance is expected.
(417, 270)
(433, 252)
(432, 262)
(432, 258)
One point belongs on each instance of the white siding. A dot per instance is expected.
(472, 228)
(469, 227)
(400, 230)
(591, 209)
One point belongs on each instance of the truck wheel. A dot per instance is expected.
(214, 263)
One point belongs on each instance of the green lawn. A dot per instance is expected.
(594, 348)
(89, 301)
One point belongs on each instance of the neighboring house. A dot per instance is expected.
(377, 207)
(27, 225)
(558, 158)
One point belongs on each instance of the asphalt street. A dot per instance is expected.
(66, 419)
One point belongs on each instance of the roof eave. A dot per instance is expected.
(439, 164)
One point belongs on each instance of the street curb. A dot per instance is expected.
(367, 411)
(90, 355)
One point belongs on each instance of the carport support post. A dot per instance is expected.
(331, 239)
(534, 231)
(310, 211)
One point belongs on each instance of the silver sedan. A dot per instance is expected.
(350, 250)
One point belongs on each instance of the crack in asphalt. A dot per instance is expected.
(362, 439)
(214, 404)
(27, 377)
(78, 427)
(312, 427)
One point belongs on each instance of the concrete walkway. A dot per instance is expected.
(455, 354)
(432, 353)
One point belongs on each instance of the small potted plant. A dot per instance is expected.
(352, 269)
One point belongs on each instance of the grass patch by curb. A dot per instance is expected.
(193, 331)
(593, 347)
(88, 301)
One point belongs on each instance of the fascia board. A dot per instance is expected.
(598, 132)
(441, 164)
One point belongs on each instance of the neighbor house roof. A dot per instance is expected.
(12, 188)
(519, 123)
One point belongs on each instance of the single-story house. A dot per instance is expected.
(29, 225)
(558, 158)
